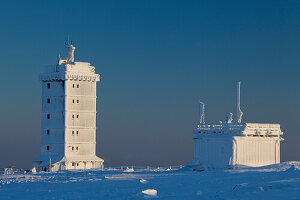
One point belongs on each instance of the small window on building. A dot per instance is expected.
(77, 132)
(48, 100)
(48, 85)
(73, 101)
(72, 148)
(73, 85)
(48, 116)
(77, 100)
(72, 132)
(77, 116)
(73, 116)
(73, 164)
(48, 148)
(77, 164)
(48, 131)
(77, 148)
(77, 85)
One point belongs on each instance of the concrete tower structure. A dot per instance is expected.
(68, 116)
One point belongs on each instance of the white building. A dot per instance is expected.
(229, 144)
(68, 116)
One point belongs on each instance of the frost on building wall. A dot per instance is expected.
(68, 127)
(234, 143)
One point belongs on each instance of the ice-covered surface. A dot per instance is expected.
(281, 181)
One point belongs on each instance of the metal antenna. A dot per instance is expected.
(239, 112)
(201, 113)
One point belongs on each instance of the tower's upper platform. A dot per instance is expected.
(68, 69)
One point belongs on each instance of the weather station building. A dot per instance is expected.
(68, 129)
(234, 143)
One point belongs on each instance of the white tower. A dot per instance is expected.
(69, 115)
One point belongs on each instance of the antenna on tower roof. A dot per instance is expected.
(239, 112)
(201, 113)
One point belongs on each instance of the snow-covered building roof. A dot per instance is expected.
(232, 143)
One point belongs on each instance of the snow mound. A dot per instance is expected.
(284, 166)
(150, 193)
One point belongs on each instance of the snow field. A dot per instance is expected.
(281, 181)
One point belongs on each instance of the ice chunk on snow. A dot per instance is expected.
(150, 192)
(129, 170)
(33, 170)
(143, 181)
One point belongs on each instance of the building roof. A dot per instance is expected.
(239, 129)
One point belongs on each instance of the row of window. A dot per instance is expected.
(73, 148)
(73, 116)
(73, 132)
(77, 86)
(77, 101)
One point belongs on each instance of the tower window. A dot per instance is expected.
(77, 132)
(48, 131)
(73, 116)
(77, 100)
(73, 85)
(48, 100)
(77, 116)
(72, 148)
(77, 85)
(48, 116)
(73, 164)
(48, 85)
(77, 164)
(73, 101)
(72, 132)
(48, 148)
(77, 148)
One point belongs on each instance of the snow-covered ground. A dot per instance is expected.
(280, 181)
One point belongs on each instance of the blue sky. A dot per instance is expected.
(156, 60)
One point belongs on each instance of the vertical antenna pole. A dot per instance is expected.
(239, 113)
(201, 113)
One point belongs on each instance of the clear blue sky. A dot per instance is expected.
(156, 60)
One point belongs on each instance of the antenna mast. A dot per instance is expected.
(239, 113)
(201, 113)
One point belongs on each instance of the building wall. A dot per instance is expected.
(217, 152)
(80, 118)
(212, 152)
(256, 151)
(52, 128)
